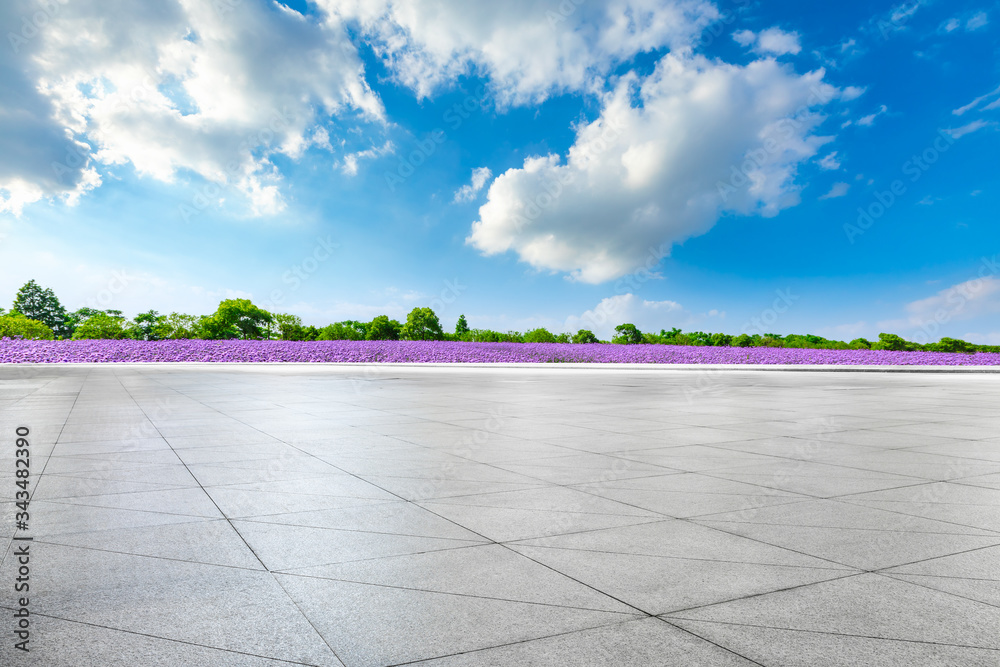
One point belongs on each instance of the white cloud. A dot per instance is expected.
(745, 37)
(979, 100)
(838, 190)
(647, 316)
(708, 137)
(968, 300)
(969, 128)
(951, 25)
(869, 120)
(351, 160)
(977, 21)
(778, 42)
(992, 338)
(773, 41)
(852, 93)
(830, 162)
(528, 50)
(479, 177)
(184, 86)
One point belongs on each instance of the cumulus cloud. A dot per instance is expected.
(479, 177)
(773, 41)
(528, 50)
(668, 154)
(174, 86)
(30, 141)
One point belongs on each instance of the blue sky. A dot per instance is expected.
(731, 166)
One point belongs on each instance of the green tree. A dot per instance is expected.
(743, 340)
(860, 344)
(461, 327)
(422, 324)
(585, 336)
(41, 304)
(382, 328)
(346, 330)
(16, 325)
(628, 334)
(539, 336)
(953, 345)
(180, 326)
(149, 326)
(238, 318)
(102, 326)
(721, 340)
(893, 342)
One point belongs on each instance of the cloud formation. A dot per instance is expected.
(215, 89)
(528, 50)
(668, 154)
(773, 41)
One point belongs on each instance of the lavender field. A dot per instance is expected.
(119, 351)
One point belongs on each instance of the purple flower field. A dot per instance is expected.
(78, 351)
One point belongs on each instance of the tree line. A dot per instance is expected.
(37, 314)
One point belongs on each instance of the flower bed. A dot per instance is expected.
(112, 351)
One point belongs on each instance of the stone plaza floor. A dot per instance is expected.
(548, 515)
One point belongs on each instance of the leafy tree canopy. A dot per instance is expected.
(628, 334)
(238, 318)
(422, 324)
(41, 304)
(16, 325)
(382, 328)
(102, 325)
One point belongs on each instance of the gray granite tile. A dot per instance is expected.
(219, 607)
(657, 585)
(640, 643)
(380, 625)
(868, 605)
(62, 643)
(795, 648)
(488, 571)
(283, 547)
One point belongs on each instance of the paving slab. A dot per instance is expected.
(316, 514)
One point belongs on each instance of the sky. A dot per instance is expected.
(736, 166)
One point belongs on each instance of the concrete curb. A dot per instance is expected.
(799, 368)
